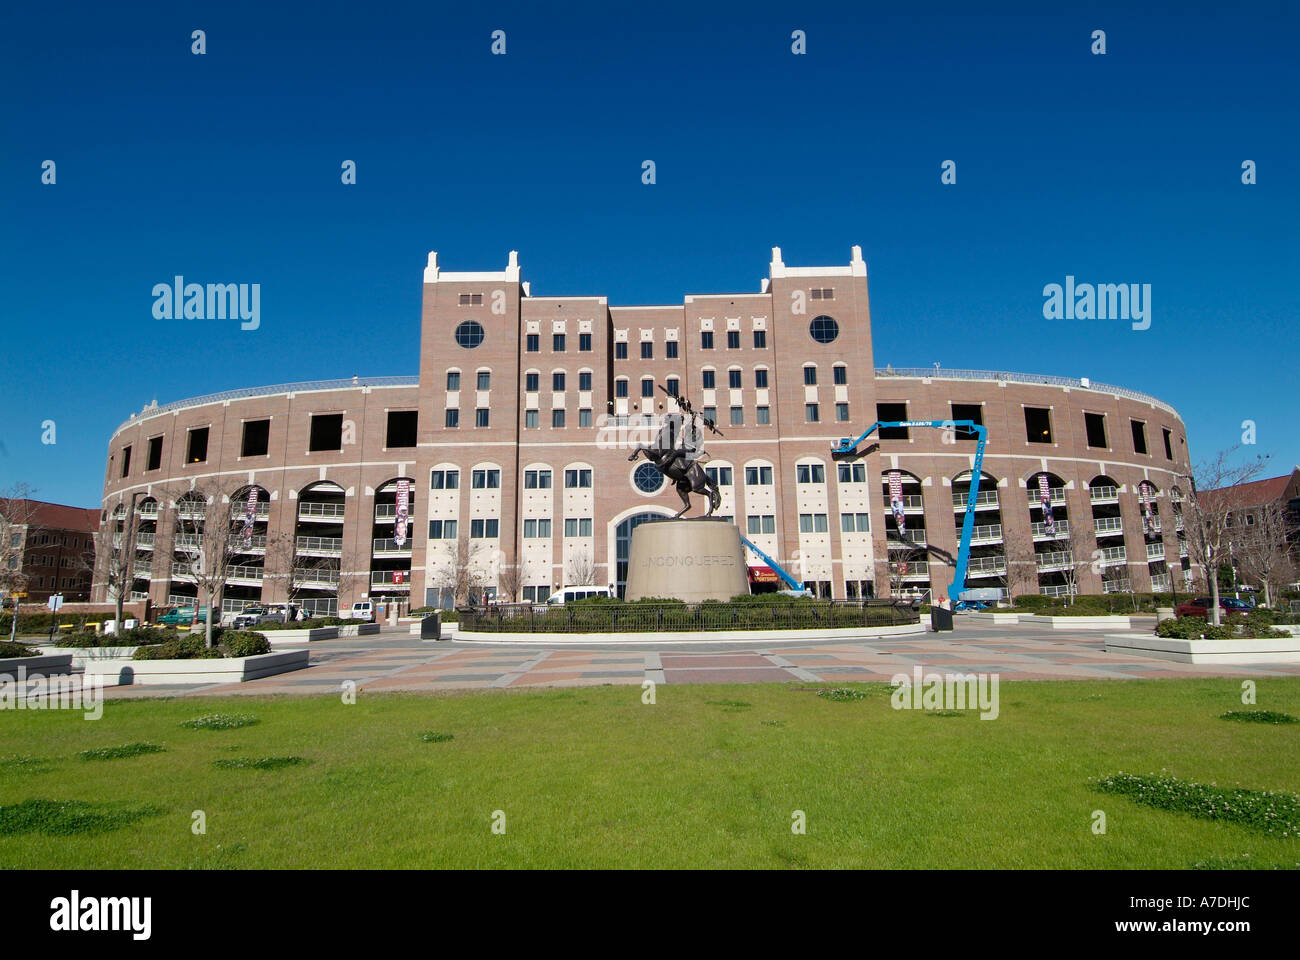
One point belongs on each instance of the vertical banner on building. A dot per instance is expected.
(1045, 500)
(250, 515)
(1148, 521)
(403, 512)
(896, 501)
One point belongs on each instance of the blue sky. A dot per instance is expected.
(226, 168)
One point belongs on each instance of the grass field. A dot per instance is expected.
(591, 777)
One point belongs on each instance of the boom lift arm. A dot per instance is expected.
(848, 450)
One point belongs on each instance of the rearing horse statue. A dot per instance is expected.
(676, 452)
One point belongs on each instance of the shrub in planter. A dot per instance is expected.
(8, 650)
(1193, 628)
(245, 643)
(181, 648)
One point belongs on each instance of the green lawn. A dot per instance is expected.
(591, 777)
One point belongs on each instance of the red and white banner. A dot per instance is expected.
(1045, 500)
(399, 576)
(403, 511)
(896, 501)
(250, 516)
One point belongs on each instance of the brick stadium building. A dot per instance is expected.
(511, 442)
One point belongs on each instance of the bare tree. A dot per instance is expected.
(902, 563)
(206, 542)
(1209, 511)
(1262, 549)
(17, 524)
(1076, 542)
(1020, 574)
(581, 569)
(510, 579)
(460, 571)
(299, 572)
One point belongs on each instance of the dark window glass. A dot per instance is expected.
(620, 351)
(584, 342)
(824, 329)
(402, 425)
(453, 417)
(1038, 425)
(841, 375)
(1139, 436)
(453, 379)
(326, 432)
(733, 339)
(892, 411)
(706, 339)
(557, 342)
(155, 452)
(760, 339)
(1095, 427)
(557, 382)
(257, 438)
(670, 349)
(647, 350)
(534, 343)
(967, 411)
(709, 380)
(469, 334)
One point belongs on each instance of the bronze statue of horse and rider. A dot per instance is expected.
(676, 452)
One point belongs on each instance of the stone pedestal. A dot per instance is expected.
(690, 560)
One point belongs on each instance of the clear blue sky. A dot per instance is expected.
(226, 168)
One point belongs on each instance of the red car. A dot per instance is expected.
(1201, 606)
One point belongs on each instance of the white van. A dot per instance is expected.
(363, 610)
(569, 594)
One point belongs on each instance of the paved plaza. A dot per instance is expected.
(395, 661)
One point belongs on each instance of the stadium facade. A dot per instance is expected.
(506, 459)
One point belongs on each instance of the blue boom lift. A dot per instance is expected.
(848, 450)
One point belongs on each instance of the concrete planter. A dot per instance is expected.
(84, 655)
(280, 638)
(1086, 623)
(46, 665)
(703, 636)
(991, 616)
(1237, 651)
(358, 629)
(198, 672)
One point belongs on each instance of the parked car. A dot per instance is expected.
(363, 610)
(183, 616)
(569, 594)
(1201, 606)
(255, 616)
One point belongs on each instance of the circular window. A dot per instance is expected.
(647, 478)
(470, 334)
(824, 329)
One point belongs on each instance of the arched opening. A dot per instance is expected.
(1060, 549)
(250, 511)
(991, 564)
(905, 535)
(318, 549)
(390, 540)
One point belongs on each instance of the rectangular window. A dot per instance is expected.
(620, 350)
(444, 479)
(892, 412)
(711, 414)
(584, 417)
(442, 529)
(672, 386)
(1094, 425)
(155, 452)
(197, 447)
(805, 523)
(557, 417)
(708, 379)
(763, 415)
(760, 339)
(557, 382)
(822, 293)
(719, 475)
(852, 473)
(973, 412)
(758, 476)
(485, 479)
(402, 426)
(810, 376)
(1139, 436)
(257, 438)
(647, 388)
(577, 479)
(733, 339)
(584, 380)
(483, 529)
(530, 419)
(841, 375)
(484, 380)
(534, 343)
(537, 479)
(761, 524)
(453, 417)
(811, 413)
(1038, 425)
(737, 416)
(531, 383)
(1169, 447)
(760, 378)
(809, 473)
(733, 379)
(471, 299)
(706, 339)
(842, 412)
(670, 349)
(620, 387)
(453, 379)
(326, 432)
(846, 523)
(647, 350)
(557, 342)
(481, 418)
(584, 343)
